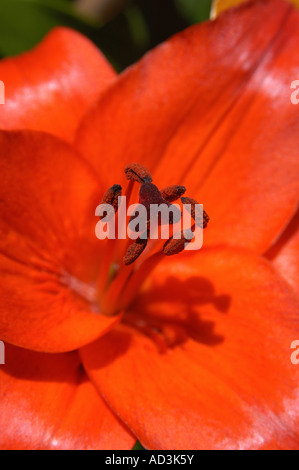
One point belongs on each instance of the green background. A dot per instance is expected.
(124, 34)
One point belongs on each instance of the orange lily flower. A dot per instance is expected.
(195, 352)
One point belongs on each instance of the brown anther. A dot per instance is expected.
(134, 251)
(138, 172)
(149, 194)
(172, 193)
(202, 220)
(206, 219)
(174, 246)
(111, 198)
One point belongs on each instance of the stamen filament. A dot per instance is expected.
(109, 302)
(137, 278)
(113, 252)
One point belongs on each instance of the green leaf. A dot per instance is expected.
(138, 446)
(23, 23)
(137, 26)
(195, 11)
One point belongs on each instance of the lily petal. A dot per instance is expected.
(48, 88)
(285, 253)
(49, 254)
(223, 378)
(47, 402)
(219, 6)
(210, 109)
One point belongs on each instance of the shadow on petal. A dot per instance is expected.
(170, 314)
(27, 365)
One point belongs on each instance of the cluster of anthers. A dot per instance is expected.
(122, 271)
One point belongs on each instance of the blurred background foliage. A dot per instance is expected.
(123, 29)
